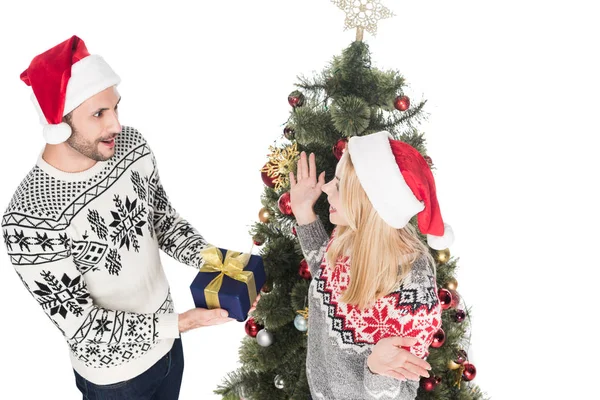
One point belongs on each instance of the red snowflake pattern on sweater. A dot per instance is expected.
(413, 309)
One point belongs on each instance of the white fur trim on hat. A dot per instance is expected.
(89, 76)
(382, 180)
(441, 242)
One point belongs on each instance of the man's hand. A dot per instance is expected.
(254, 304)
(389, 359)
(198, 317)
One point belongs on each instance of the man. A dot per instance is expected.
(84, 228)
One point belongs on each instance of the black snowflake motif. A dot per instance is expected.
(138, 185)
(197, 246)
(44, 241)
(21, 240)
(166, 223)
(128, 222)
(102, 325)
(131, 327)
(97, 223)
(63, 240)
(92, 350)
(113, 262)
(169, 246)
(186, 230)
(62, 297)
(114, 349)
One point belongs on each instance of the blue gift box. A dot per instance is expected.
(233, 294)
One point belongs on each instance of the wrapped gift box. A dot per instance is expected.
(227, 285)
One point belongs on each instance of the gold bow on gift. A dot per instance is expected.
(233, 267)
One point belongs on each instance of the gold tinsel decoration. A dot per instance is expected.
(304, 312)
(280, 164)
(459, 376)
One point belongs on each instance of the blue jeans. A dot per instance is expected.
(162, 381)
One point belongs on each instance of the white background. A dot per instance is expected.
(513, 95)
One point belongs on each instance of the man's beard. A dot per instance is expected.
(87, 148)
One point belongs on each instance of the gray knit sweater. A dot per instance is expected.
(341, 336)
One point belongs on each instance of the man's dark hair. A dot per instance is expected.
(68, 119)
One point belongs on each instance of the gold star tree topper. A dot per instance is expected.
(363, 14)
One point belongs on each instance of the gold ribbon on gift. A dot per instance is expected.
(233, 266)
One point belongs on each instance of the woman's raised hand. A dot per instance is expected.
(305, 189)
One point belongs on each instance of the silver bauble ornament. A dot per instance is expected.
(279, 382)
(264, 338)
(301, 323)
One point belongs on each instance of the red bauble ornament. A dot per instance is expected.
(296, 99)
(461, 357)
(257, 242)
(455, 299)
(289, 133)
(285, 204)
(266, 178)
(340, 147)
(429, 161)
(267, 287)
(469, 372)
(428, 384)
(252, 327)
(304, 270)
(402, 103)
(438, 338)
(460, 315)
(445, 298)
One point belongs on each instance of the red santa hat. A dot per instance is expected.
(62, 78)
(399, 184)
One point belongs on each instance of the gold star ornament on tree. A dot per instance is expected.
(363, 14)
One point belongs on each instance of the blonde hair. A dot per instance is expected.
(380, 256)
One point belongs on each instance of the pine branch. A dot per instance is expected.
(233, 387)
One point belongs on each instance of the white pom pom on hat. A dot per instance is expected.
(62, 78)
(400, 185)
(55, 134)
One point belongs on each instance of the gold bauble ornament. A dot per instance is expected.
(452, 284)
(264, 215)
(442, 256)
(452, 365)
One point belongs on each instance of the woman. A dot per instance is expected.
(373, 306)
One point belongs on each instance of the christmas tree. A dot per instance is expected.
(350, 97)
